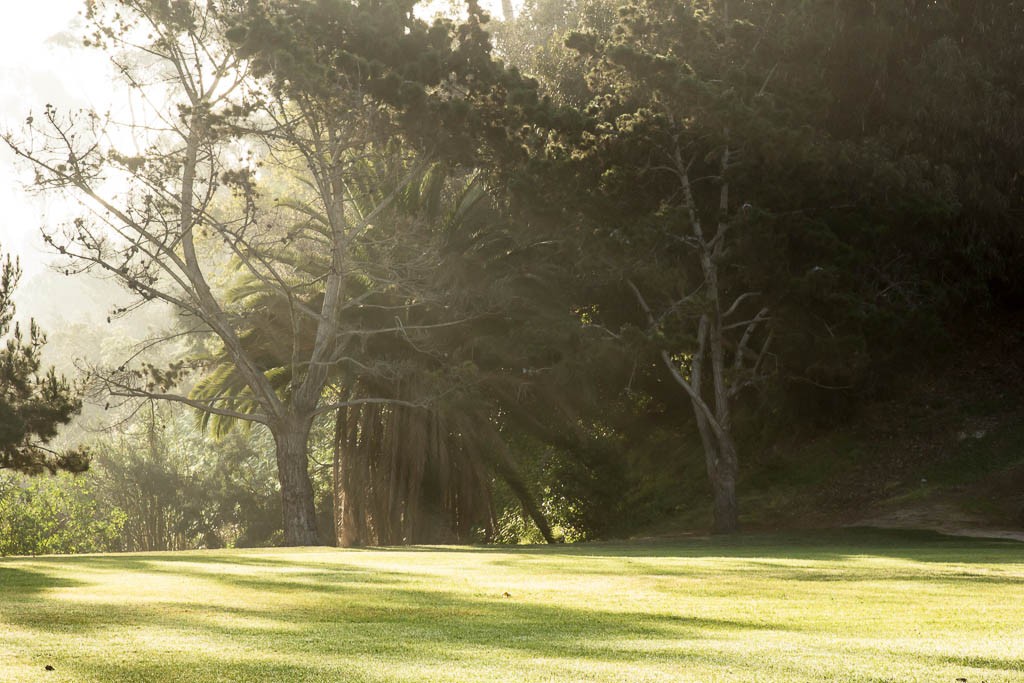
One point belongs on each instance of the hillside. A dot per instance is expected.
(943, 451)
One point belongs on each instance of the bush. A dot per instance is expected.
(55, 515)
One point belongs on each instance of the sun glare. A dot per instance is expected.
(41, 62)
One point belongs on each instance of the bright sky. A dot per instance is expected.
(41, 61)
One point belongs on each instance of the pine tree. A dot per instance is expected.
(33, 403)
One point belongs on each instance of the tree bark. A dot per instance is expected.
(342, 532)
(350, 487)
(297, 504)
(724, 462)
(507, 470)
(723, 484)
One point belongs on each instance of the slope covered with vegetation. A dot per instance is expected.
(943, 450)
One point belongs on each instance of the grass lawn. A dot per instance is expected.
(841, 606)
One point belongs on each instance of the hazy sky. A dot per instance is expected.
(41, 62)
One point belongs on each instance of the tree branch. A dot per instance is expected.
(739, 300)
(666, 358)
(198, 405)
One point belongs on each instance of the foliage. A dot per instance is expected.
(519, 266)
(179, 490)
(56, 515)
(830, 243)
(535, 44)
(33, 403)
(159, 484)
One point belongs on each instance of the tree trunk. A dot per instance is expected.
(507, 470)
(298, 509)
(725, 466)
(722, 463)
(337, 478)
(349, 485)
(723, 484)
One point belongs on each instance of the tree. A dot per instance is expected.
(414, 441)
(423, 473)
(673, 113)
(147, 237)
(194, 198)
(33, 405)
(718, 195)
(434, 87)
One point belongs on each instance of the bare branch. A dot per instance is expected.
(198, 405)
(683, 171)
(741, 348)
(761, 317)
(642, 301)
(739, 300)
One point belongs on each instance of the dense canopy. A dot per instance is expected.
(469, 279)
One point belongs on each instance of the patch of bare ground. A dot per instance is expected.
(945, 518)
(949, 450)
(945, 452)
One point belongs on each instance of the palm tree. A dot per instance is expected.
(416, 444)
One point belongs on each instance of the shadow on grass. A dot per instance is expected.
(817, 545)
(322, 616)
(25, 584)
(328, 623)
(989, 663)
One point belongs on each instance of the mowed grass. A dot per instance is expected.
(841, 606)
